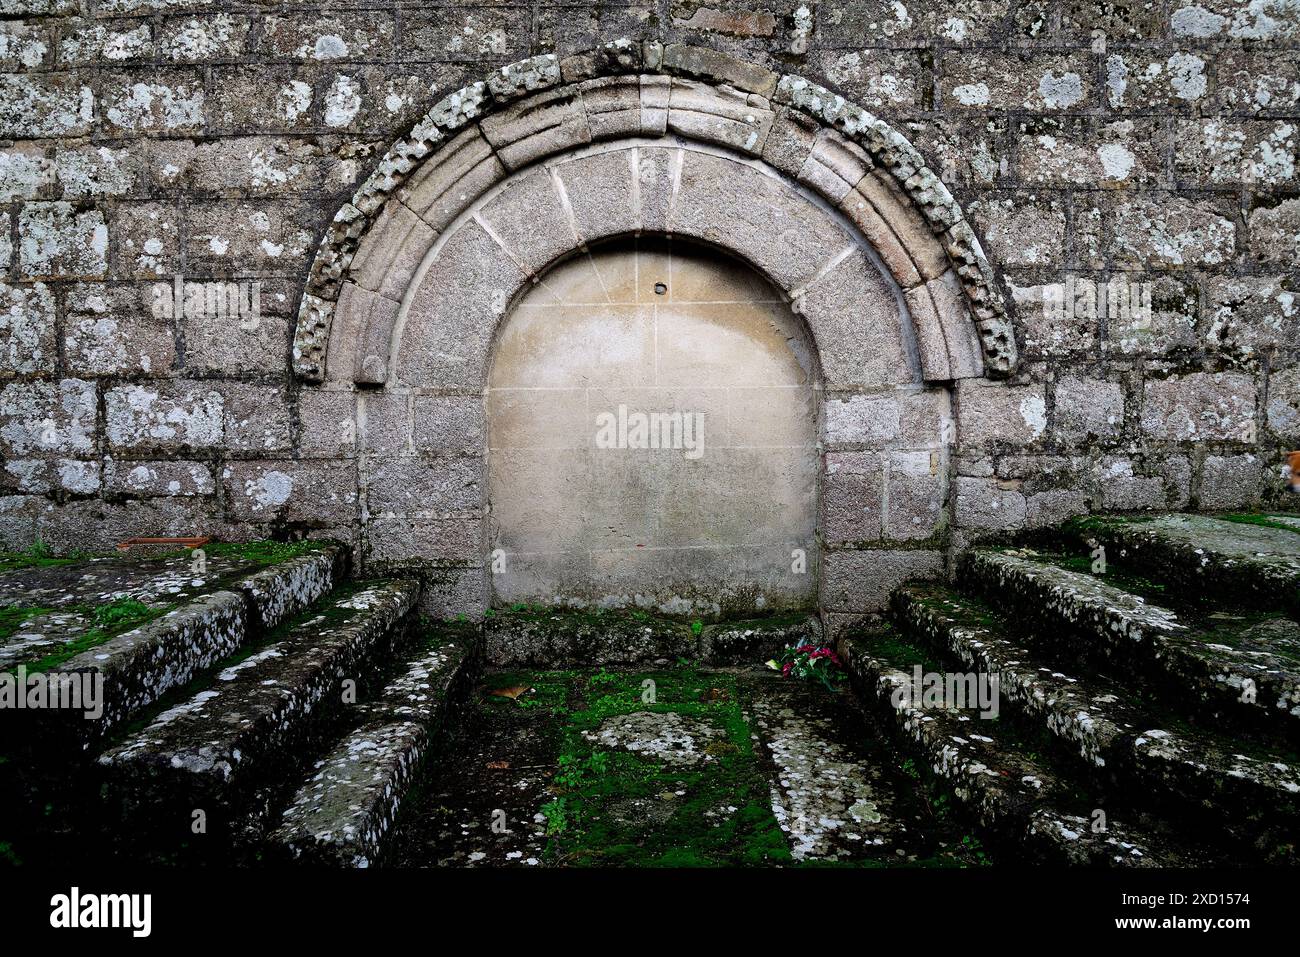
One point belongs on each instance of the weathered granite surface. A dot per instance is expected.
(547, 638)
(261, 714)
(346, 808)
(1111, 627)
(1113, 730)
(1001, 785)
(1238, 561)
(190, 619)
(223, 142)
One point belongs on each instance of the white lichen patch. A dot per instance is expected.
(1060, 92)
(668, 736)
(972, 94)
(822, 797)
(342, 102)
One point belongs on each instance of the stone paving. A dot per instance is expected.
(808, 779)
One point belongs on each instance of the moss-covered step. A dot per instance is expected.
(537, 638)
(1009, 792)
(215, 751)
(1084, 618)
(341, 815)
(1241, 559)
(1255, 797)
(157, 625)
(53, 610)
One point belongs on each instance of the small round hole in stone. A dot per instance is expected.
(660, 289)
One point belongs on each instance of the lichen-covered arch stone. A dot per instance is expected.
(661, 103)
(439, 336)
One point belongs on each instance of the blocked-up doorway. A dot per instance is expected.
(652, 438)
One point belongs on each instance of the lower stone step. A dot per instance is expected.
(138, 667)
(1010, 794)
(1104, 625)
(212, 752)
(1255, 798)
(549, 638)
(342, 814)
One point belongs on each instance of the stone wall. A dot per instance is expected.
(1151, 143)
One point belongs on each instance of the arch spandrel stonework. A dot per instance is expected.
(675, 99)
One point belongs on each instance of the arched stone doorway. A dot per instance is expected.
(652, 437)
(550, 159)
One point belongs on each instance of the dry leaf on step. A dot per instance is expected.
(513, 691)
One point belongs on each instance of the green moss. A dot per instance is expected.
(561, 618)
(263, 552)
(13, 617)
(258, 552)
(1117, 573)
(893, 649)
(1263, 520)
(325, 609)
(110, 620)
(680, 817)
(38, 555)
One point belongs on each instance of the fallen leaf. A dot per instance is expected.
(513, 691)
(498, 764)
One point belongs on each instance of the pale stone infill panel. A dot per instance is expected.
(653, 327)
(526, 115)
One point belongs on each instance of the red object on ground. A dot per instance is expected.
(190, 542)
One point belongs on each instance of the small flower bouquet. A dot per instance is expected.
(816, 662)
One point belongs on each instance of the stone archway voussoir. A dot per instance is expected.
(730, 204)
(543, 106)
(447, 347)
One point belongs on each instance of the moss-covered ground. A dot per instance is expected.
(529, 780)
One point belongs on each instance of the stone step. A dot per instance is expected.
(1081, 617)
(221, 608)
(343, 812)
(1008, 793)
(547, 638)
(1236, 562)
(1255, 798)
(212, 752)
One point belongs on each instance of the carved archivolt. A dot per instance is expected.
(504, 177)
